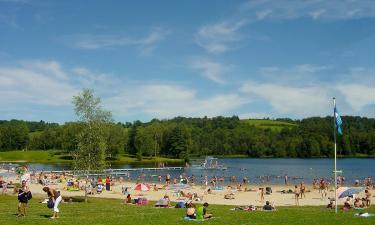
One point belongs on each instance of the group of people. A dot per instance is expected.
(199, 213)
(24, 195)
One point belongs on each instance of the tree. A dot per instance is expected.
(91, 140)
(92, 145)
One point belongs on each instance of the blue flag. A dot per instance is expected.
(338, 121)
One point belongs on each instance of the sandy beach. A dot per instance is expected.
(313, 197)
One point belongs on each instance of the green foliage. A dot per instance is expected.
(184, 137)
(92, 145)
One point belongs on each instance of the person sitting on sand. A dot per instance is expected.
(358, 203)
(347, 206)
(229, 196)
(267, 206)
(190, 211)
(201, 212)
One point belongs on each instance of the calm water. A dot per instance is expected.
(307, 169)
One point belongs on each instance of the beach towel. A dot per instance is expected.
(161, 203)
(364, 214)
(218, 188)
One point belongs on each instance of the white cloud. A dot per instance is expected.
(166, 101)
(301, 101)
(213, 71)
(316, 9)
(45, 67)
(263, 14)
(21, 85)
(358, 96)
(146, 43)
(216, 38)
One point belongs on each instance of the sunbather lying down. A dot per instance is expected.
(229, 196)
(245, 208)
(365, 214)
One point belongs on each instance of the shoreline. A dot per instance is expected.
(313, 198)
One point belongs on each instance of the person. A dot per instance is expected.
(24, 195)
(330, 205)
(55, 196)
(201, 212)
(357, 203)
(168, 179)
(302, 190)
(323, 188)
(190, 211)
(347, 205)
(296, 194)
(128, 199)
(286, 179)
(267, 206)
(368, 197)
(261, 194)
(166, 197)
(107, 184)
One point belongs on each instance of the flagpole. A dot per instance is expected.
(334, 137)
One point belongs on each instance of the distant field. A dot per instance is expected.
(110, 211)
(271, 124)
(58, 156)
(48, 156)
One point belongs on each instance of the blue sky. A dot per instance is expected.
(161, 59)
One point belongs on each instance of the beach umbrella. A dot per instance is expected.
(346, 192)
(142, 187)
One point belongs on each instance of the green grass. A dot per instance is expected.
(58, 156)
(110, 211)
(271, 124)
(125, 158)
(35, 156)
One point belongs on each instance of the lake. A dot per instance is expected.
(276, 169)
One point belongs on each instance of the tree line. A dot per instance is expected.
(185, 137)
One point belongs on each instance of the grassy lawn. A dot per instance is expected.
(109, 211)
(271, 124)
(36, 156)
(58, 156)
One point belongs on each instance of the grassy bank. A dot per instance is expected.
(108, 211)
(58, 156)
(35, 156)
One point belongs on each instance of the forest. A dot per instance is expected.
(187, 137)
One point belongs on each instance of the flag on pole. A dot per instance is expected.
(338, 121)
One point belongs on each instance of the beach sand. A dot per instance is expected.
(313, 198)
